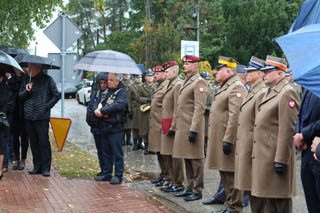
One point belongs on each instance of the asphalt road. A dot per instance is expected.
(135, 160)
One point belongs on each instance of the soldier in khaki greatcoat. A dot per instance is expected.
(169, 107)
(273, 152)
(248, 111)
(133, 111)
(128, 125)
(145, 92)
(223, 120)
(155, 125)
(294, 85)
(189, 128)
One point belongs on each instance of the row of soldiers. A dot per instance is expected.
(250, 131)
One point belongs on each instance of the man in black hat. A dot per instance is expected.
(40, 94)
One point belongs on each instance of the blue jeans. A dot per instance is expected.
(112, 153)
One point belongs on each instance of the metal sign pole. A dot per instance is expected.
(63, 54)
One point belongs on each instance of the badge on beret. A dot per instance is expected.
(292, 103)
(201, 89)
(238, 95)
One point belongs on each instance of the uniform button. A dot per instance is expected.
(253, 157)
(254, 141)
(238, 124)
(255, 125)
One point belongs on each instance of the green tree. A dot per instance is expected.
(17, 19)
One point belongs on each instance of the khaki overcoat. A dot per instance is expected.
(155, 117)
(134, 104)
(211, 93)
(190, 117)
(169, 108)
(273, 142)
(243, 161)
(126, 84)
(223, 124)
(145, 91)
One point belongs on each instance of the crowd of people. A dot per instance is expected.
(246, 124)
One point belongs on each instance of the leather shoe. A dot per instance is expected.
(46, 173)
(163, 183)
(116, 180)
(177, 188)
(212, 201)
(35, 172)
(103, 178)
(193, 196)
(224, 210)
(157, 180)
(184, 193)
(165, 188)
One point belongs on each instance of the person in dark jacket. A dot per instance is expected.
(6, 102)
(39, 94)
(112, 112)
(18, 130)
(309, 115)
(95, 99)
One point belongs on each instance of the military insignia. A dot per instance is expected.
(201, 89)
(292, 103)
(238, 95)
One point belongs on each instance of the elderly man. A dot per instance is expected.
(112, 112)
(40, 94)
(223, 120)
(155, 125)
(169, 107)
(243, 161)
(189, 128)
(273, 152)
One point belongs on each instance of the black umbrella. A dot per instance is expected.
(8, 64)
(46, 63)
(12, 51)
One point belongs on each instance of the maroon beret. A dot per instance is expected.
(169, 64)
(190, 59)
(157, 69)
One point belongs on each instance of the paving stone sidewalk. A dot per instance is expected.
(21, 192)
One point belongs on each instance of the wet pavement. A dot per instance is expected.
(148, 166)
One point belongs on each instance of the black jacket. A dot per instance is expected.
(116, 111)
(310, 123)
(43, 96)
(6, 98)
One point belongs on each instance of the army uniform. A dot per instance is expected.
(189, 122)
(169, 107)
(223, 120)
(248, 111)
(128, 123)
(145, 91)
(133, 109)
(155, 124)
(273, 152)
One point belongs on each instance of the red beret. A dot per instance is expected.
(169, 64)
(190, 58)
(157, 69)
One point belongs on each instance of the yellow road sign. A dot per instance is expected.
(60, 128)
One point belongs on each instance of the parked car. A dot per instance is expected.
(83, 94)
(69, 89)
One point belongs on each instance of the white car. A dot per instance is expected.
(83, 95)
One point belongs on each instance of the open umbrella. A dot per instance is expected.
(46, 63)
(302, 49)
(8, 64)
(12, 51)
(108, 61)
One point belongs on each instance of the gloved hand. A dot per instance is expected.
(149, 100)
(227, 147)
(280, 168)
(171, 133)
(130, 115)
(192, 136)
